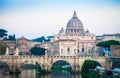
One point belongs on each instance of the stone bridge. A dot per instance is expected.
(46, 62)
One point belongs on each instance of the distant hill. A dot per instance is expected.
(43, 39)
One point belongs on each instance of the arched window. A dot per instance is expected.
(68, 49)
(83, 50)
(91, 37)
(78, 50)
(89, 50)
(74, 30)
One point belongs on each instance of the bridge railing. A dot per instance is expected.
(88, 54)
(80, 55)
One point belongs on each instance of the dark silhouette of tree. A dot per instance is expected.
(49, 37)
(88, 64)
(40, 39)
(106, 44)
(10, 37)
(3, 33)
(43, 39)
(37, 51)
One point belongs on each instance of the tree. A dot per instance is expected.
(50, 37)
(3, 47)
(10, 37)
(108, 43)
(37, 51)
(3, 33)
(40, 39)
(43, 39)
(88, 64)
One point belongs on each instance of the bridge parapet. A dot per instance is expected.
(29, 56)
(88, 54)
(8, 56)
(33, 56)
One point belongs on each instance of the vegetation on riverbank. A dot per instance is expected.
(61, 68)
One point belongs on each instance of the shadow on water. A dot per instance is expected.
(34, 73)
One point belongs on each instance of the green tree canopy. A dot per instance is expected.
(3, 33)
(49, 37)
(89, 64)
(10, 37)
(37, 51)
(108, 43)
(40, 39)
(43, 39)
(3, 47)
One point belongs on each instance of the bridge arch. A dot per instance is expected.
(61, 62)
(33, 62)
(4, 63)
(96, 63)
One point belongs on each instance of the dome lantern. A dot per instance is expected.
(74, 15)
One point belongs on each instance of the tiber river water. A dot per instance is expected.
(32, 73)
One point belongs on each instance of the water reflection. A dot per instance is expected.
(28, 73)
(33, 73)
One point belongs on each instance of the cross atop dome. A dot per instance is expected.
(74, 14)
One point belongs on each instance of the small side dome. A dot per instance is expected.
(61, 32)
(74, 21)
(87, 32)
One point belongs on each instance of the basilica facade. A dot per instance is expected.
(73, 40)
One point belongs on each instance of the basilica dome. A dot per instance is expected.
(74, 21)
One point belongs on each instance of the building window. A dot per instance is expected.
(78, 50)
(83, 50)
(89, 50)
(61, 50)
(74, 30)
(74, 50)
(68, 49)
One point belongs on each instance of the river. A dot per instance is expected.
(32, 73)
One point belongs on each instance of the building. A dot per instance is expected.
(84, 39)
(64, 47)
(11, 45)
(115, 50)
(106, 37)
(23, 45)
(75, 30)
(32, 44)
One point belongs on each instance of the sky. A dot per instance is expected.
(35, 18)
